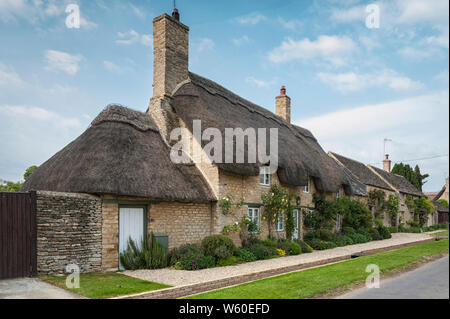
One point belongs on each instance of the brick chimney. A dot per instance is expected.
(387, 164)
(283, 105)
(171, 53)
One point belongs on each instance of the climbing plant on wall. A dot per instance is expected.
(277, 204)
(393, 208)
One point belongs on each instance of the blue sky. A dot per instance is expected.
(350, 85)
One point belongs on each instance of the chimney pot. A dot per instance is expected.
(283, 105)
(176, 14)
(387, 164)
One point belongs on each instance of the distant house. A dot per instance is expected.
(382, 179)
(123, 158)
(440, 208)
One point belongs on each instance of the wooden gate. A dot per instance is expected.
(18, 257)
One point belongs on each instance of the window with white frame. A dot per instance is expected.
(338, 194)
(280, 223)
(307, 187)
(264, 175)
(253, 215)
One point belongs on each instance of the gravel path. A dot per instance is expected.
(183, 277)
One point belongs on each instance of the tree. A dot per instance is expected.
(28, 171)
(8, 186)
(414, 176)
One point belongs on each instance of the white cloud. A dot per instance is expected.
(417, 125)
(330, 48)
(9, 77)
(40, 114)
(370, 118)
(204, 44)
(357, 13)
(290, 24)
(259, 83)
(62, 61)
(350, 81)
(133, 37)
(114, 68)
(251, 18)
(414, 11)
(240, 41)
(138, 12)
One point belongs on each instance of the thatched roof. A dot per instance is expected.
(299, 154)
(121, 153)
(399, 182)
(361, 172)
(440, 193)
(440, 208)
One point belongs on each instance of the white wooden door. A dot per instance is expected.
(131, 225)
(296, 224)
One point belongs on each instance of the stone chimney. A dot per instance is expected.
(387, 164)
(283, 105)
(171, 53)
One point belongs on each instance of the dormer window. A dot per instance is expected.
(264, 176)
(308, 186)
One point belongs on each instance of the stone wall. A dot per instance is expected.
(68, 232)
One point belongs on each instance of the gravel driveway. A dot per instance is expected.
(183, 277)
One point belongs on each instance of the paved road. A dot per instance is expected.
(32, 288)
(430, 281)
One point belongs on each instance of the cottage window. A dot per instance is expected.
(264, 176)
(307, 187)
(338, 194)
(253, 215)
(280, 223)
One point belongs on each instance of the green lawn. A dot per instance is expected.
(315, 281)
(442, 233)
(105, 285)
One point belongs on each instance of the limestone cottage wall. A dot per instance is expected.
(69, 231)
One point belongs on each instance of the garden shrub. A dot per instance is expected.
(281, 252)
(176, 253)
(323, 234)
(393, 229)
(384, 232)
(347, 240)
(295, 249)
(359, 238)
(269, 242)
(304, 246)
(244, 255)
(222, 252)
(149, 255)
(285, 245)
(196, 260)
(211, 243)
(348, 230)
(375, 234)
(263, 252)
(233, 260)
(319, 244)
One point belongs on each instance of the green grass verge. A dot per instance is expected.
(105, 285)
(315, 281)
(442, 233)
